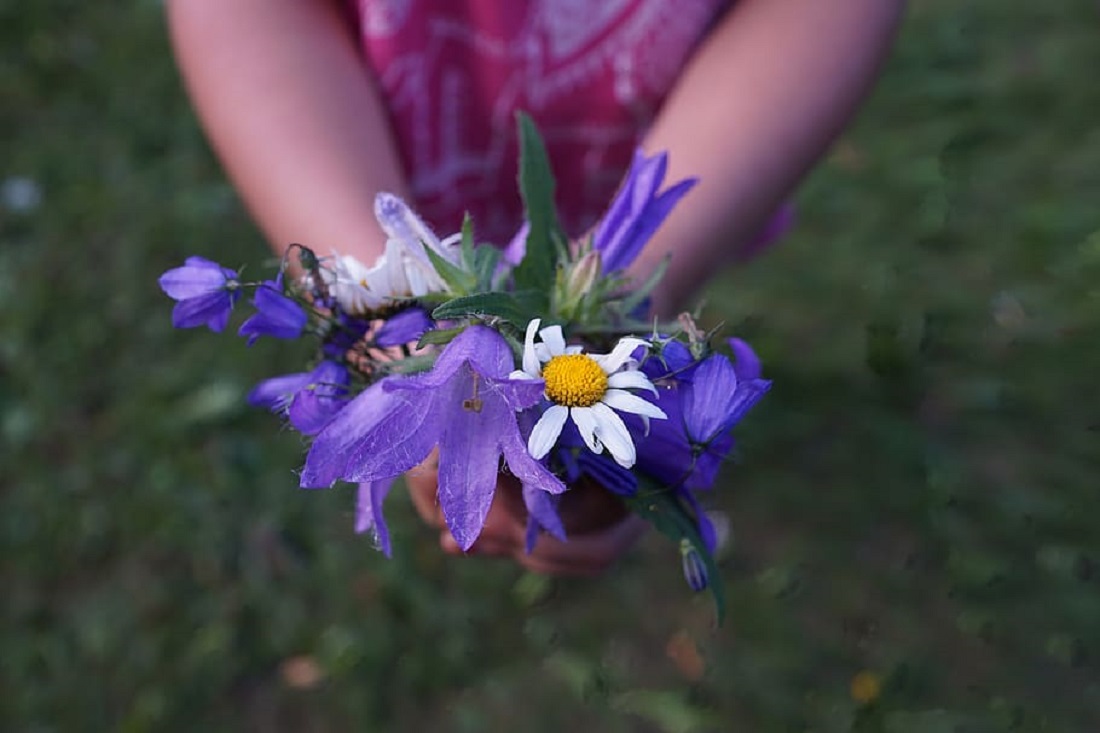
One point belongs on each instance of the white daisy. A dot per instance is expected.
(586, 388)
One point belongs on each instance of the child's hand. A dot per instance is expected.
(597, 524)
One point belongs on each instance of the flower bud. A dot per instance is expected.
(695, 570)
(583, 274)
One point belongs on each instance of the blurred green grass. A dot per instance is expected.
(916, 501)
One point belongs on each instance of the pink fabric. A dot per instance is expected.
(592, 74)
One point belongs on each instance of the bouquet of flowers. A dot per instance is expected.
(536, 359)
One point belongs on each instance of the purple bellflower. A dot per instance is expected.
(308, 399)
(637, 211)
(668, 454)
(205, 293)
(404, 328)
(466, 405)
(720, 394)
(276, 315)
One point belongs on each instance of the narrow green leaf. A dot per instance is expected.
(668, 515)
(485, 260)
(439, 336)
(467, 241)
(458, 281)
(536, 185)
(512, 307)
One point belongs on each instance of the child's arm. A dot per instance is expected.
(290, 106)
(757, 106)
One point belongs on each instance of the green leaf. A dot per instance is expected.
(485, 260)
(515, 308)
(467, 241)
(536, 186)
(667, 513)
(439, 337)
(458, 280)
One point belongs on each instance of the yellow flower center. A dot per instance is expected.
(574, 380)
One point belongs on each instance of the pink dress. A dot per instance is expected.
(592, 74)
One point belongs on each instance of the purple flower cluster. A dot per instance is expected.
(657, 414)
(466, 406)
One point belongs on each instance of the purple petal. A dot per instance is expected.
(667, 455)
(636, 211)
(644, 225)
(468, 460)
(378, 435)
(368, 512)
(488, 354)
(404, 328)
(311, 411)
(486, 351)
(646, 179)
(276, 315)
(277, 393)
(516, 250)
(709, 397)
(746, 365)
(529, 471)
(197, 277)
(703, 523)
(744, 399)
(541, 514)
(608, 474)
(211, 310)
(614, 224)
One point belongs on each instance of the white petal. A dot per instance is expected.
(620, 354)
(546, 431)
(542, 352)
(578, 349)
(631, 379)
(401, 222)
(615, 435)
(554, 340)
(585, 420)
(530, 360)
(626, 402)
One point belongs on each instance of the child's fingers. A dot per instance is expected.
(585, 554)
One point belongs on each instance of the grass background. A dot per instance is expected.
(916, 516)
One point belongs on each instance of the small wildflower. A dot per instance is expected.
(586, 388)
(637, 211)
(276, 315)
(205, 293)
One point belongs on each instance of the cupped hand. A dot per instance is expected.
(598, 527)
